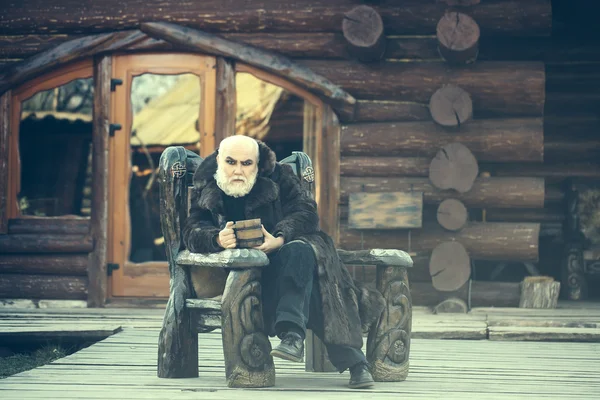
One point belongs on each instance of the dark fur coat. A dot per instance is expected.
(278, 199)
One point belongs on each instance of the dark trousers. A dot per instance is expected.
(291, 295)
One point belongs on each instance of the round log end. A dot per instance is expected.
(453, 167)
(452, 214)
(451, 106)
(458, 38)
(451, 305)
(449, 266)
(363, 30)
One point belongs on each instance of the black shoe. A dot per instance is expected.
(360, 377)
(291, 348)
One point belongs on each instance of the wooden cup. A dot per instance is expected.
(248, 233)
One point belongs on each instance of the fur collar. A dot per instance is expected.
(264, 190)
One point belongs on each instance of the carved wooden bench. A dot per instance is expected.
(238, 312)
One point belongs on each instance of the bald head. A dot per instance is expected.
(237, 165)
(239, 143)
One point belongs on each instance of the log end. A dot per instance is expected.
(458, 38)
(451, 305)
(451, 106)
(452, 214)
(453, 167)
(364, 33)
(449, 266)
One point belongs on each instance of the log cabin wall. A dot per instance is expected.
(531, 81)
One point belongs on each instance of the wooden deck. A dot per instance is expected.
(509, 354)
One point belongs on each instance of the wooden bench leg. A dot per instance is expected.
(177, 344)
(247, 350)
(388, 344)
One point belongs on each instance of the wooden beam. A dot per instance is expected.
(68, 52)
(482, 240)
(225, 103)
(362, 166)
(486, 192)
(5, 117)
(97, 275)
(49, 243)
(270, 62)
(496, 88)
(47, 225)
(331, 45)
(513, 139)
(20, 286)
(44, 264)
(496, 17)
(483, 294)
(328, 171)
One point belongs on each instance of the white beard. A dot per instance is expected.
(234, 189)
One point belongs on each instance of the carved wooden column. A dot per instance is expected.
(388, 344)
(178, 341)
(246, 347)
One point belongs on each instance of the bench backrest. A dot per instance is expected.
(298, 160)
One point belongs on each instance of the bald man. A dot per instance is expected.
(305, 285)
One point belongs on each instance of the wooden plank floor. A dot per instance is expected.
(123, 366)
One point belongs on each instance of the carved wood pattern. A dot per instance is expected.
(388, 343)
(247, 350)
(178, 341)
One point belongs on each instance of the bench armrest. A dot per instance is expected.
(230, 258)
(389, 257)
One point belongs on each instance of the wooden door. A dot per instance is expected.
(159, 100)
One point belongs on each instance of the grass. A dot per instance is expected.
(24, 361)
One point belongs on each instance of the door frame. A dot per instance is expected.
(149, 279)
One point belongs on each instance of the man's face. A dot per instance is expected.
(237, 169)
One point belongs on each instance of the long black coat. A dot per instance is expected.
(278, 199)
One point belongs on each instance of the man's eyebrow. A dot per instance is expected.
(230, 158)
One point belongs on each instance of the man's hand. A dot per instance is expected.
(271, 242)
(226, 238)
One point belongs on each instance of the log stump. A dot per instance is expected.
(449, 266)
(458, 38)
(452, 305)
(363, 30)
(452, 214)
(451, 106)
(453, 167)
(539, 292)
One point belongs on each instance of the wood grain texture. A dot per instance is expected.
(451, 106)
(496, 88)
(449, 266)
(225, 100)
(363, 166)
(391, 210)
(60, 225)
(458, 38)
(483, 241)
(363, 30)
(38, 243)
(46, 264)
(497, 17)
(486, 192)
(454, 167)
(97, 275)
(499, 140)
(21, 286)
